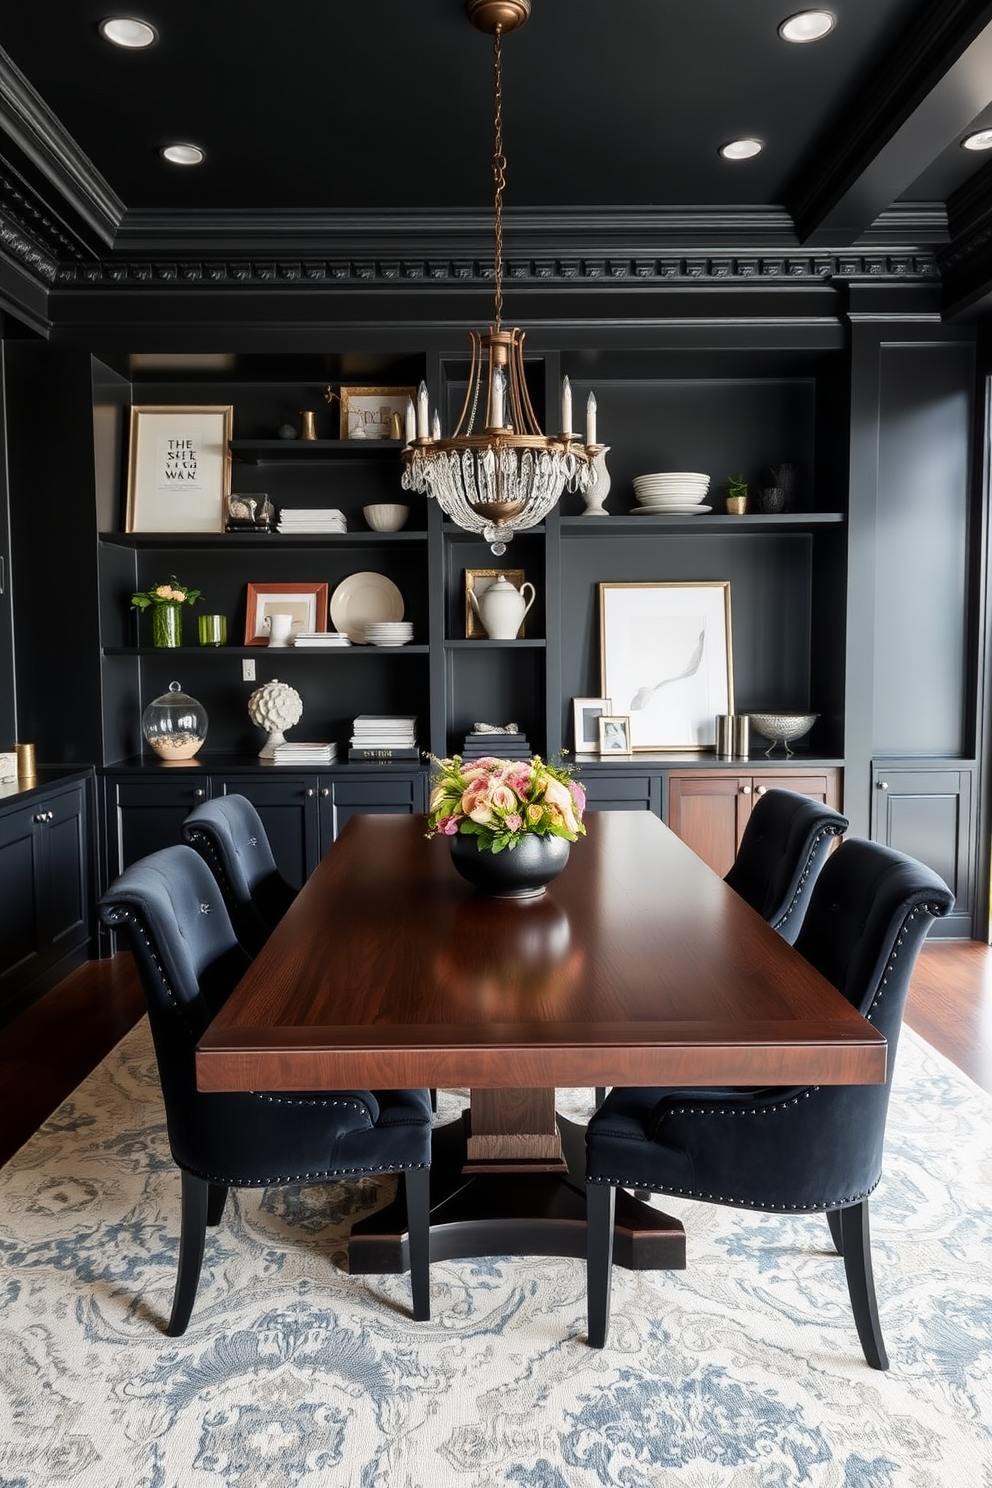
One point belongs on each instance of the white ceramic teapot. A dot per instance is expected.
(501, 608)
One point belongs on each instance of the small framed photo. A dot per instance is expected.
(614, 733)
(179, 468)
(477, 581)
(306, 603)
(667, 659)
(586, 713)
(368, 412)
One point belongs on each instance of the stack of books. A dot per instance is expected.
(381, 736)
(320, 639)
(297, 519)
(496, 746)
(304, 754)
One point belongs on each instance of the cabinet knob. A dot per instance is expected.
(745, 790)
(882, 785)
(325, 792)
(761, 790)
(309, 791)
(199, 793)
(40, 816)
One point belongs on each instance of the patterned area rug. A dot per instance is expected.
(742, 1372)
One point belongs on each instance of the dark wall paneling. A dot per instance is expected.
(718, 426)
(52, 500)
(769, 575)
(921, 616)
(925, 809)
(8, 712)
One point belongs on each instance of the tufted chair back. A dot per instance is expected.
(228, 834)
(783, 847)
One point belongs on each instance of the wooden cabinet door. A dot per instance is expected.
(144, 815)
(820, 785)
(708, 810)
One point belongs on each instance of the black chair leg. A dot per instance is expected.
(192, 1235)
(417, 1182)
(215, 1203)
(600, 1207)
(600, 1095)
(833, 1220)
(856, 1250)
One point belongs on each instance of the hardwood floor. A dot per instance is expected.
(54, 1044)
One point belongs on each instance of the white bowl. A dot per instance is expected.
(385, 517)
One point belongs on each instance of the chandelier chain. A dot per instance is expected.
(499, 172)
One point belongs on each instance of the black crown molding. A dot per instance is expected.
(26, 118)
(466, 273)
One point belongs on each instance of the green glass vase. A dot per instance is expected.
(167, 625)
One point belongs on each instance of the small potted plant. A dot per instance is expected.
(737, 495)
(165, 602)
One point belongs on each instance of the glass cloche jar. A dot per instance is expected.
(175, 724)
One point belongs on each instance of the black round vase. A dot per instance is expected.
(520, 872)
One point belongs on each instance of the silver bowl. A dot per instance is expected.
(782, 728)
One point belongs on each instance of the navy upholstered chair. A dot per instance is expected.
(170, 910)
(784, 845)
(816, 1149)
(228, 834)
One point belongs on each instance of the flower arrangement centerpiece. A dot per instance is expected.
(165, 602)
(510, 822)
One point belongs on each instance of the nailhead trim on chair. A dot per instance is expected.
(825, 831)
(691, 1193)
(321, 1175)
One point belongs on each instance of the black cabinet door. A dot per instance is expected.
(21, 874)
(67, 887)
(925, 811)
(369, 794)
(287, 804)
(146, 815)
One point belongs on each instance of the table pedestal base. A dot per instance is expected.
(513, 1214)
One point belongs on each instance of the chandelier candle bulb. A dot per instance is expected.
(566, 406)
(591, 420)
(498, 389)
(423, 411)
(411, 421)
(436, 426)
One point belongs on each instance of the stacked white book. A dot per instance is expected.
(383, 736)
(320, 640)
(299, 519)
(298, 753)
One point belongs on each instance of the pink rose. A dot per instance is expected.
(448, 825)
(502, 798)
(578, 795)
(514, 823)
(560, 799)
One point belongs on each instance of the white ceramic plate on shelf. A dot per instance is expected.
(667, 510)
(361, 599)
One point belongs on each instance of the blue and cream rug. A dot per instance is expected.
(742, 1372)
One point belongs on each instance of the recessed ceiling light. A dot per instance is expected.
(183, 154)
(127, 31)
(741, 149)
(807, 25)
(980, 141)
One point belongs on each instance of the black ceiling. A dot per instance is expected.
(614, 109)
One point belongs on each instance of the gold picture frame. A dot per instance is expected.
(477, 580)
(667, 660)
(614, 734)
(179, 467)
(372, 410)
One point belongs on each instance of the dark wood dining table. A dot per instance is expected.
(637, 966)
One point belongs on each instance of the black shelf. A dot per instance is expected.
(705, 521)
(268, 451)
(253, 651)
(483, 643)
(213, 541)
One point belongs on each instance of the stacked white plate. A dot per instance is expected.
(672, 493)
(388, 632)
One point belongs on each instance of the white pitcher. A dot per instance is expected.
(501, 608)
(279, 627)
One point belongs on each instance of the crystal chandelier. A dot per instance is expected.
(508, 475)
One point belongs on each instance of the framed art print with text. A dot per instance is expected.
(179, 468)
(667, 660)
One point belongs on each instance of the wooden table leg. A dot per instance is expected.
(512, 1213)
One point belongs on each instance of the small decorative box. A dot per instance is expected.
(8, 766)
